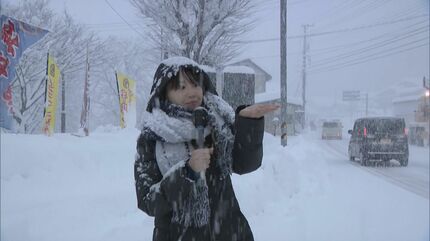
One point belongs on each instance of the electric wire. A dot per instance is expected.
(376, 45)
(332, 49)
(123, 19)
(374, 56)
(378, 24)
(362, 11)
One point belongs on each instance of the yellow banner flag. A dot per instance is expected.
(51, 96)
(127, 100)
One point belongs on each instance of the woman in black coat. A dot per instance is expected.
(188, 189)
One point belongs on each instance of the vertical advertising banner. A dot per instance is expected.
(51, 96)
(16, 36)
(127, 100)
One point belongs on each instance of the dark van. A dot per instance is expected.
(380, 138)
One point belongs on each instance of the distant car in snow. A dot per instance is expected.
(380, 138)
(331, 130)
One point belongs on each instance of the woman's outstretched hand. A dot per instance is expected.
(258, 110)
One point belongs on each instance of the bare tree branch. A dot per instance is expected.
(192, 28)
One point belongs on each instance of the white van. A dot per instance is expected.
(331, 130)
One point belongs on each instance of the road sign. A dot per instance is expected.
(351, 95)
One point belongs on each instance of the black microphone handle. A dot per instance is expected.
(200, 137)
(200, 144)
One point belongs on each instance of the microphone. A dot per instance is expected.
(200, 121)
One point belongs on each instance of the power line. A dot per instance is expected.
(360, 27)
(364, 57)
(408, 11)
(333, 31)
(337, 8)
(123, 19)
(359, 8)
(367, 60)
(338, 47)
(369, 57)
(371, 7)
(108, 24)
(113, 25)
(377, 45)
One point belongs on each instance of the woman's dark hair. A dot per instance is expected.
(196, 76)
(168, 77)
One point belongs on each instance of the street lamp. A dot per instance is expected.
(426, 85)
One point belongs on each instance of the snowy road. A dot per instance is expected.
(414, 178)
(316, 193)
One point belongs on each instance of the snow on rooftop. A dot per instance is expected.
(406, 98)
(238, 69)
(408, 91)
(407, 87)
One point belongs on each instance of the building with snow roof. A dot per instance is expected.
(261, 76)
(410, 102)
(273, 120)
(244, 82)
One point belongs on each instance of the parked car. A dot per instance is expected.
(418, 133)
(331, 130)
(380, 138)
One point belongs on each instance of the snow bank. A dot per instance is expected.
(82, 188)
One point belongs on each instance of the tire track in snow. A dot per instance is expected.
(415, 186)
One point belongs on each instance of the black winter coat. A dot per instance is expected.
(227, 222)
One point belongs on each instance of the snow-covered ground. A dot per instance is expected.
(71, 188)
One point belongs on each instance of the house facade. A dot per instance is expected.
(413, 105)
(261, 76)
(273, 123)
(244, 83)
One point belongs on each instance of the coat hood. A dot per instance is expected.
(169, 70)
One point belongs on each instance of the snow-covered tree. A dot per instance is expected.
(203, 30)
(67, 41)
(130, 58)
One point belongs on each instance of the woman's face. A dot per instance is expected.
(188, 95)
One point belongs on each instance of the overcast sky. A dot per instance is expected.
(388, 26)
(364, 45)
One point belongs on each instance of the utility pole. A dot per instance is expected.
(219, 77)
(63, 104)
(305, 48)
(367, 103)
(426, 85)
(283, 78)
(86, 103)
